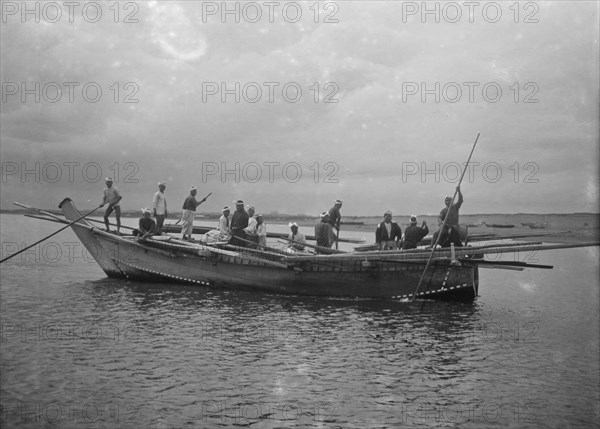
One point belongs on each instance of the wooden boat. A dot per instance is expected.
(452, 274)
(497, 225)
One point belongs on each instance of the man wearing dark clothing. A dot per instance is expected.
(323, 231)
(450, 232)
(334, 219)
(414, 234)
(239, 221)
(388, 233)
(146, 225)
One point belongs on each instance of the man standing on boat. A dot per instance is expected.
(334, 219)
(160, 207)
(189, 211)
(450, 232)
(112, 197)
(388, 233)
(239, 221)
(414, 234)
(323, 231)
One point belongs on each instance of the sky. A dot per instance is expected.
(291, 105)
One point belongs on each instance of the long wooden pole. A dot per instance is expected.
(445, 219)
(47, 237)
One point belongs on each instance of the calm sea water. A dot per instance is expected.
(82, 351)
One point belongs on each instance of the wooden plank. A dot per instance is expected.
(204, 229)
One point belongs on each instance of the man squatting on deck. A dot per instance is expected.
(189, 210)
(297, 237)
(159, 203)
(388, 233)
(112, 196)
(146, 225)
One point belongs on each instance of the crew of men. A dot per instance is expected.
(246, 229)
(388, 234)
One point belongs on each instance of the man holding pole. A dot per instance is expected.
(449, 231)
(189, 210)
(112, 197)
(334, 220)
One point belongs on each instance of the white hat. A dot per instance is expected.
(293, 224)
(337, 202)
(238, 202)
(145, 210)
(251, 208)
(324, 214)
(193, 188)
(387, 212)
(108, 179)
(413, 219)
(225, 208)
(161, 184)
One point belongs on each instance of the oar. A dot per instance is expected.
(445, 219)
(337, 236)
(45, 238)
(321, 248)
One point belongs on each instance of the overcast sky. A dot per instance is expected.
(387, 143)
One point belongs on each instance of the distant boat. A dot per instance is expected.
(497, 225)
(538, 226)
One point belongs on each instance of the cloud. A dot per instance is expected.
(371, 62)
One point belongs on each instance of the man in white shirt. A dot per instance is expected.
(160, 207)
(224, 222)
(112, 197)
(251, 228)
(297, 237)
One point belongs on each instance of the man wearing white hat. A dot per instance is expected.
(159, 203)
(251, 228)
(112, 197)
(297, 237)
(189, 210)
(388, 233)
(414, 234)
(146, 225)
(224, 221)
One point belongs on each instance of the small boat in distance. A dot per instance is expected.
(497, 225)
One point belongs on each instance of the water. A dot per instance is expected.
(82, 351)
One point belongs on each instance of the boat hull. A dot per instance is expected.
(318, 276)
